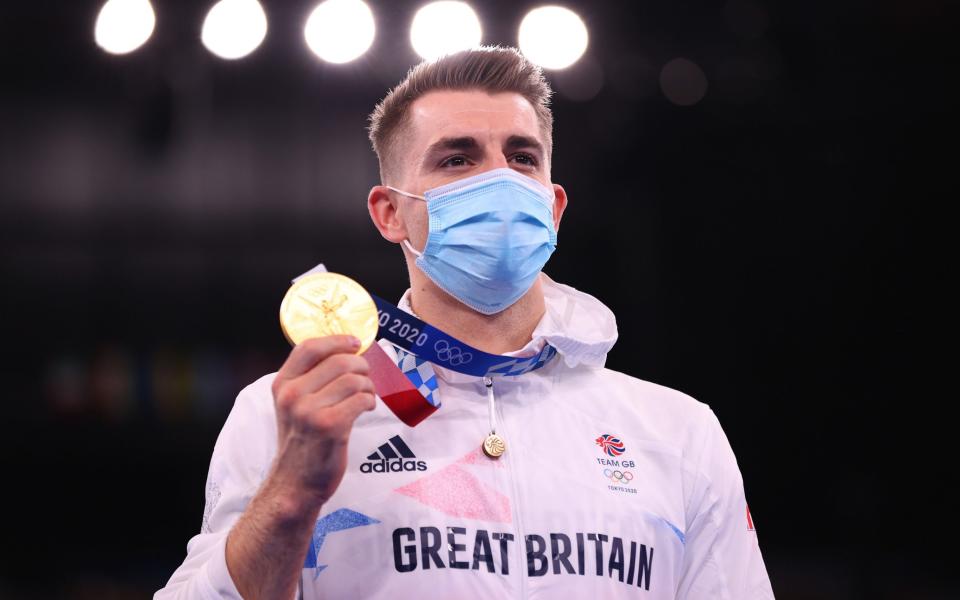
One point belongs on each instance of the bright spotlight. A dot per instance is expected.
(553, 37)
(339, 31)
(234, 28)
(124, 25)
(444, 27)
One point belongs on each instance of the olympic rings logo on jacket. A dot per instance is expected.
(617, 476)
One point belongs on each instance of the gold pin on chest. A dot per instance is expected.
(494, 446)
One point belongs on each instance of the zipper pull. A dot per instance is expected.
(493, 446)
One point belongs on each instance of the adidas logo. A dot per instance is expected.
(394, 456)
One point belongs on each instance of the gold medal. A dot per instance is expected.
(494, 446)
(323, 304)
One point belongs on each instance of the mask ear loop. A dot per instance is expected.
(410, 247)
(403, 193)
(406, 242)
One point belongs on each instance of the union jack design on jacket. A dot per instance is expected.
(611, 445)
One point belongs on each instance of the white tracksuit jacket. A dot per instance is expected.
(657, 511)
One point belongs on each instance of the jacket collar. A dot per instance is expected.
(580, 327)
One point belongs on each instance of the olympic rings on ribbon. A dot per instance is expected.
(451, 354)
(618, 476)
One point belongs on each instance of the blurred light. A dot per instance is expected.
(581, 83)
(111, 383)
(444, 27)
(553, 37)
(683, 82)
(234, 28)
(124, 25)
(339, 31)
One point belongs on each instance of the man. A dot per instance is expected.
(609, 486)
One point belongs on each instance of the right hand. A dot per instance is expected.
(319, 392)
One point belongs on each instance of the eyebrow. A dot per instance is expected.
(453, 143)
(517, 142)
(468, 143)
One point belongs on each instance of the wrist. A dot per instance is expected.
(292, 503)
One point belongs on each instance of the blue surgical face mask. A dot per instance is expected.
(489, 237)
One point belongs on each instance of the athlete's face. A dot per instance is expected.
(455, 134)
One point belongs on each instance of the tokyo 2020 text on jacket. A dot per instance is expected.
(610, 487)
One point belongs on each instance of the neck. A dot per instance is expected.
(506, 331)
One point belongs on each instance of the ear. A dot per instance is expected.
(383, 213)
(559, 204)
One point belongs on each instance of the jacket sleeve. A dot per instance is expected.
(241, 458)
(722, 557)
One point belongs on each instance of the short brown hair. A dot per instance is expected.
(490, 68)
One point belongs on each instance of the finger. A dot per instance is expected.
(340, 416)
(351, 408)
(308, 353)
(337, 391)
(292, 392)
(324, 373)
(336, 420)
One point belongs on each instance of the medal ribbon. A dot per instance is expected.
(395, 388)
(429, 343)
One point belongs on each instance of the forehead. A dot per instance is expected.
(456, 113)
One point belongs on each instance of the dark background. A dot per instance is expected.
(764, 250)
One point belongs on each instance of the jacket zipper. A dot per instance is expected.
(521, 539)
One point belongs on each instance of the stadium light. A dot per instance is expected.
(339, 31)
(124, 25)
(553, 37)
(234, 28)
(443, 27)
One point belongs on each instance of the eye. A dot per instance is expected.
(454, 161)
(525, 159)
